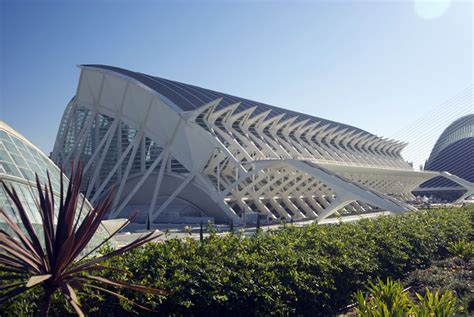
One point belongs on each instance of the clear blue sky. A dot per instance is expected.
(375, 65)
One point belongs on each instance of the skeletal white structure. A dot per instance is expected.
(179, 153)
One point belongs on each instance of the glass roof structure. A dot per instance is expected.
(189, 97)
(20, 160)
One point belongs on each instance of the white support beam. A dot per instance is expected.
(172, 197)
(110, 130)
(138, 137)
(159, 180)
(92, 183)
(116, 211)
(130, 162)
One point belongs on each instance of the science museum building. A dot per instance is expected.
(184, 154)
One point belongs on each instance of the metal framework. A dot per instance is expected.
(180, 153)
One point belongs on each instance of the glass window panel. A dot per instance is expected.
(27, 174)
(10, 147)
(10, 169)
(26, 154)
(17, 142)
(4, 156)
(6, 205)
(19, 160)
(3, 135)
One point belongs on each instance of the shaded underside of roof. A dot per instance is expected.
(188, 97)
(440, 182)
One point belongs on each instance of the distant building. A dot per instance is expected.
(182, 153)
(454, 153)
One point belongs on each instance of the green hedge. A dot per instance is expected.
(311, 271)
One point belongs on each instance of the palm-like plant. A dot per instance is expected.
(385, 299)
(59, 265)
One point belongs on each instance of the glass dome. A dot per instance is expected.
(20, 161)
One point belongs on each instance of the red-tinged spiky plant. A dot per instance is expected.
(58, 264)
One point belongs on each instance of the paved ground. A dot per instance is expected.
(181, 231)
(177, 231)
(192, 231)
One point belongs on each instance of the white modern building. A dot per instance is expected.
(183, 154)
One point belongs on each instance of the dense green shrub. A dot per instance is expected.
(310, 271)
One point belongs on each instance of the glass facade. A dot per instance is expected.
(124, 142)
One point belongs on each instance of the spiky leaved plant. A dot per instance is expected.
(58, 264)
